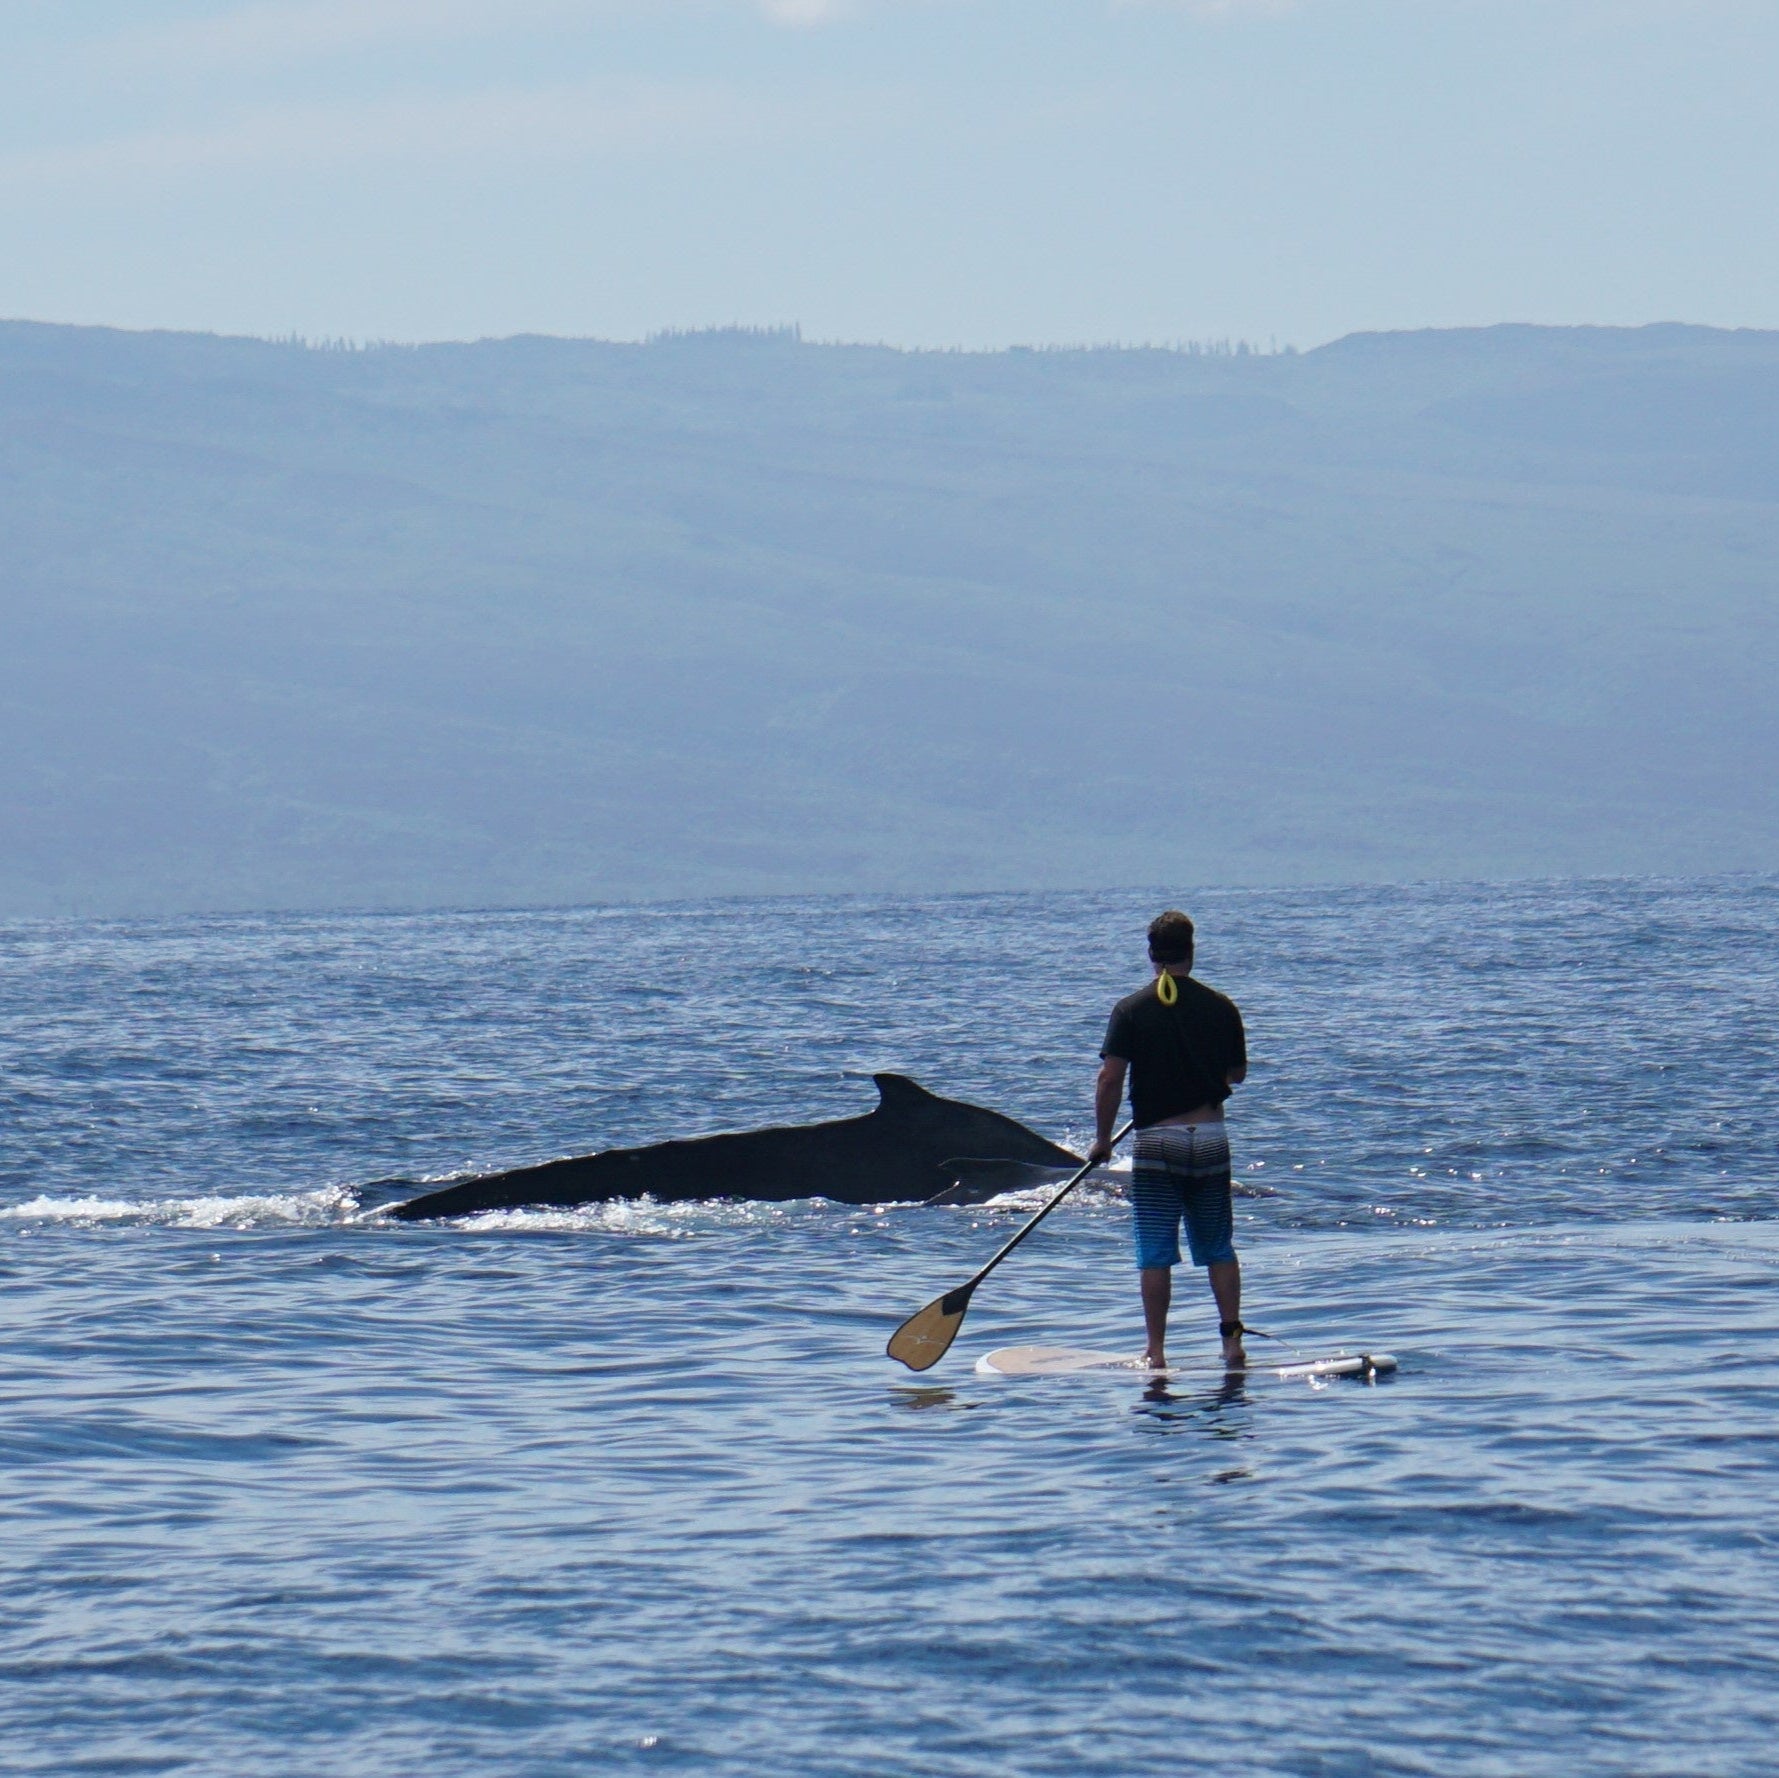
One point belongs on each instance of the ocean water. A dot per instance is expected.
(290, 1489)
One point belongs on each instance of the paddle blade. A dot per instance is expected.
(924, 1338)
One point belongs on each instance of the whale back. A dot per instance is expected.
(895, 1153)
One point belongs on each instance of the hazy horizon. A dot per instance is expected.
(575, 581)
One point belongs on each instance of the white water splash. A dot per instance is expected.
(644, 1216)
(311, 1209)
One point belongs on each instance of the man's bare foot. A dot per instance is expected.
(1233, 1355)
(1156, 1361)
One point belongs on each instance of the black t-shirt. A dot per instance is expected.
(1179, 1055)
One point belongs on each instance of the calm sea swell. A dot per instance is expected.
(632, 1489)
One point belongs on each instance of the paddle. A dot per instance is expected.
(924, 1338)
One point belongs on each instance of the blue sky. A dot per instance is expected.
(927, 172)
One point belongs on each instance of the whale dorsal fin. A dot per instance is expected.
(896, 1092)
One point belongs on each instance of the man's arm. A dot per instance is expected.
(1108, 1095)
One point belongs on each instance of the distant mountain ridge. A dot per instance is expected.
(535, 620)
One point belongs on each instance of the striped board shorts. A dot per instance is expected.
(1180, 1172)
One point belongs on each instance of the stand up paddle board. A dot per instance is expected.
(1073, 1361)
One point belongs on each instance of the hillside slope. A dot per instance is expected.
(545, 621)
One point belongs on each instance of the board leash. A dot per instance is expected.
(1242, 1327)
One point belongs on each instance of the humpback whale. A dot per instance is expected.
(914, 1147)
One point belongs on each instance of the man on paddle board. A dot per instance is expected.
(1184, 1049)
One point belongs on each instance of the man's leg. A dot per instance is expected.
(1156, 1208)
(1226, 1287)
(1158, 1293)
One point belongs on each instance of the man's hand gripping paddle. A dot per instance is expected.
(924, 1338)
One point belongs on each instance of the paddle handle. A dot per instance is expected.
(1067, 1187)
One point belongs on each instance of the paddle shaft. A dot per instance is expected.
(1086, 1168)
(926, 1336)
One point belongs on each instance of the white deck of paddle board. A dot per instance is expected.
(1063, 1361)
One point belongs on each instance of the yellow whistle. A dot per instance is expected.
(1167, 990)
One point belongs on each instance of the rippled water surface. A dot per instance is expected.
(291, 1489)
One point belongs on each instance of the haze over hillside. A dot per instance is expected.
(541, 620)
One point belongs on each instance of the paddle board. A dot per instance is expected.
(1068, 1361)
